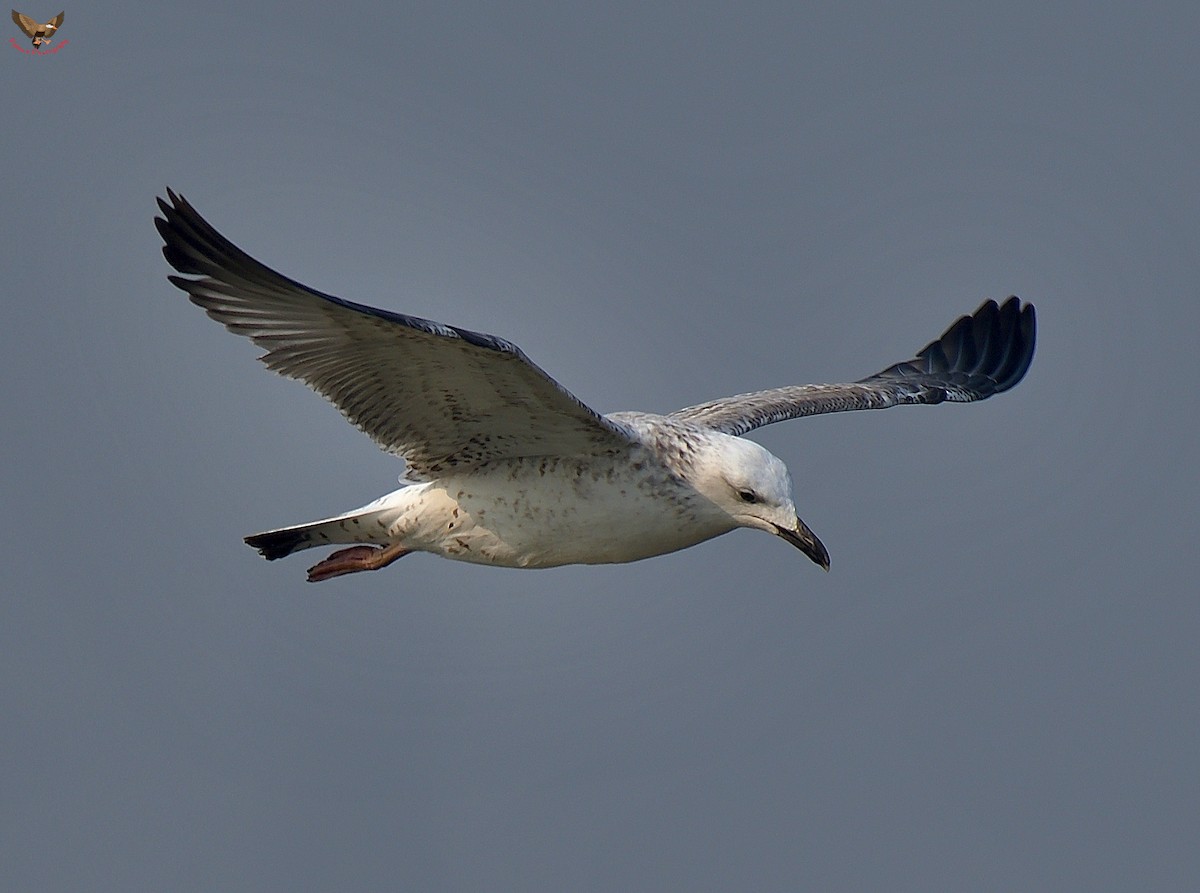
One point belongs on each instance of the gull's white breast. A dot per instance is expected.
(545, 512)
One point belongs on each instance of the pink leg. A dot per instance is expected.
(355, 559)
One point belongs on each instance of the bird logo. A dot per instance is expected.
(39, 33)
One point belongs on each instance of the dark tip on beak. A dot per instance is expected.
(806, 541)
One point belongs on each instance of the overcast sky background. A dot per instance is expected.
(995, 687)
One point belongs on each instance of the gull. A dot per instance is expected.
(505, 466)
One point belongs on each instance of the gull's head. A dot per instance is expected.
(754, 488)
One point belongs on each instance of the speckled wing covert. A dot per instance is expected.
(436, 395)
(980, 355)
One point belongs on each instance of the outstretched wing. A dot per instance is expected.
(56, 21)
(437, 395)
(980, 355)
(25, 23)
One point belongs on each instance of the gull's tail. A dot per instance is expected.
(369, 524)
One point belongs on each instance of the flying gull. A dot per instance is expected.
(507, 467)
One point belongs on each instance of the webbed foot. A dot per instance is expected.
(355, 559)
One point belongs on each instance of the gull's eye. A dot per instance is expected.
(748, 496)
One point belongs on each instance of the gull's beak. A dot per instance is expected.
(806, 541)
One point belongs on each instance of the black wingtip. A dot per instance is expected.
(195, 248)
(985, 353)
(176, 203)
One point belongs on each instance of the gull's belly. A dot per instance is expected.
(545, 513)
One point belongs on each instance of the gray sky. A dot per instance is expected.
(994, 688)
